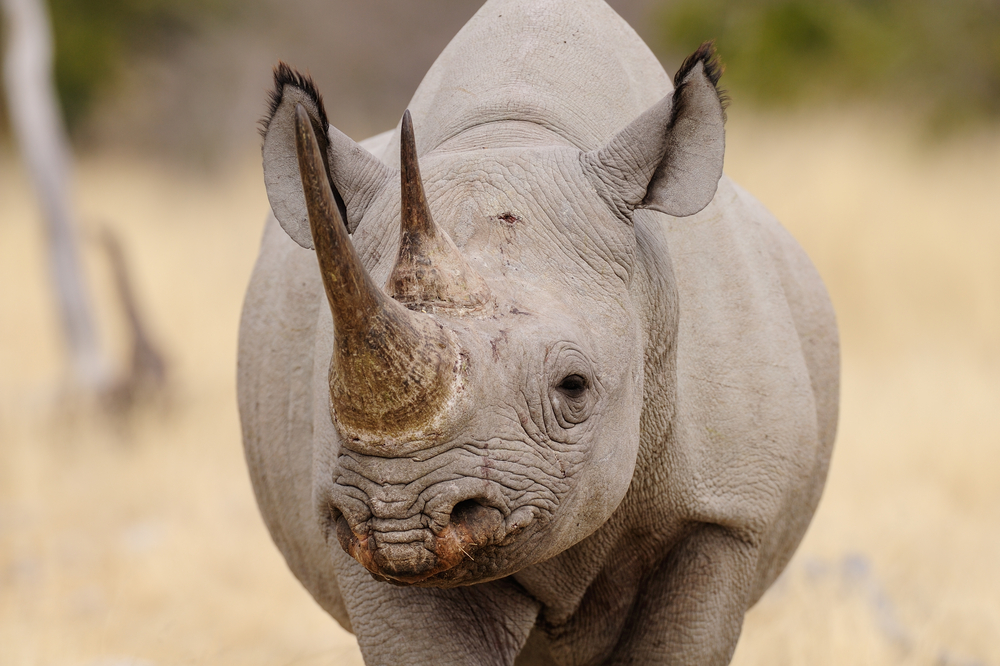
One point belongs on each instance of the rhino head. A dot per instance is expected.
(486, 379)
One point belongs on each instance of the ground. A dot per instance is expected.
(137, 541)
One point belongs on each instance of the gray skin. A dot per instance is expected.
(633, 521)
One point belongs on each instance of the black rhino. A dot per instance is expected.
(556, 392)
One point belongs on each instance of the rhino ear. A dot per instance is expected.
(355, 175)
(669, 158)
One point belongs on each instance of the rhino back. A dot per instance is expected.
(572, 67)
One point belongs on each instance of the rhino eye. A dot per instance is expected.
(573, 386)
(574, 390)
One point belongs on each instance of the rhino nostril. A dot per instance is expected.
(477, 524)
(331, 516)
(464, 508)
(343, 531)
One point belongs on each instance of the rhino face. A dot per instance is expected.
(538, 448)
(487, 388)
(540, 441)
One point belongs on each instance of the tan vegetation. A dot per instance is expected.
(137, 541)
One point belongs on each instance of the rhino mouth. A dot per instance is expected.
(455, 516)
(410, 557)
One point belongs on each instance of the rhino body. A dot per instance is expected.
(637, 428)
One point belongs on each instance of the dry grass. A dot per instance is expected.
(138, 542)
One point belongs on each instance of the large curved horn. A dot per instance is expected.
(430, 273)
(392, 369)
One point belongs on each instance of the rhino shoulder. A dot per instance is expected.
(747, 428)
(810, 307)
(274, 387)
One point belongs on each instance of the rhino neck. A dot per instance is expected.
(573, 67)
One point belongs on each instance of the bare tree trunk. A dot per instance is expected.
(37, 122)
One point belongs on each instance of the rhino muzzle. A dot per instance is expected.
(437, 520)
(413, 556)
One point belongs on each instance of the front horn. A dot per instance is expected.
(430, 274)
(393, 370)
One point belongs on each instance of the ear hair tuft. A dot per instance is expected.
(287, 75)
(707, 55)
(712, 66)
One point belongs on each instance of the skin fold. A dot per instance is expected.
(528, 379)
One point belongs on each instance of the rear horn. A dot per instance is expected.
(430, 273)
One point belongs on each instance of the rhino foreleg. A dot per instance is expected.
(691, 611)
(485, 624)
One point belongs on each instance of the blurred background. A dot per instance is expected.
(128, 530)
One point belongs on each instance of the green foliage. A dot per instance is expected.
(941, 56)
(94, 39)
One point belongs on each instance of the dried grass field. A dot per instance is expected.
(137, 540)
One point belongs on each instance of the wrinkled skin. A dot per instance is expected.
(517, 440)
(637, 430)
